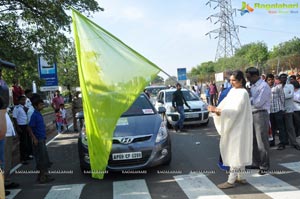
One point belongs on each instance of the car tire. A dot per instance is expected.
(206, 123)
(169, 126)
(168, 161)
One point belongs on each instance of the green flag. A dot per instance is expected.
(112, 75)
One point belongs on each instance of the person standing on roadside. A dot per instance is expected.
(57, 100)
(37, 131)
(289, 110)
(9, 138)
(177, 102)
(276, 111)
(233, 121)
(20, 120)
(76, 108)
(4, 102)
(213, 92)
(17, 91)
(296, 114)
(260, 98)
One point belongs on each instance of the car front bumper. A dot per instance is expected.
(190, 117)
(151, 155)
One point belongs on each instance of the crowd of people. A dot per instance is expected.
(27, 123)
(246, 113)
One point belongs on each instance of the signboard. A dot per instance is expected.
(181, 74)
(48, 72)
(219, 77)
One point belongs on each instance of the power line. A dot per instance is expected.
(227, 33)
(270, 30)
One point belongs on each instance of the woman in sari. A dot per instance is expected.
(233, 121)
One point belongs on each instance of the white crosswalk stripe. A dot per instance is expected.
(295, 166)
(273, 187)
(131, 189)
(71, 191)
(199, 186)
(13, 193)
(194, 185)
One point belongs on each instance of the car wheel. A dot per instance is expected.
(169, 126)
(206, 123)
(168, 161)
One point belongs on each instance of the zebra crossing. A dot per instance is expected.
(194, 185)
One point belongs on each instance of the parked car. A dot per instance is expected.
(198, 114)
(140, 139)
(153, 91)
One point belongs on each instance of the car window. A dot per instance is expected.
(153, 91)
(169, 96)
(141, 106)
(188, 96)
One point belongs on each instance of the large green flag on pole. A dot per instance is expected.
(112, 75)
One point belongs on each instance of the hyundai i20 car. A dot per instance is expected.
(140, 139)
(198, 114)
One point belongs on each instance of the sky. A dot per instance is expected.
(171, 33)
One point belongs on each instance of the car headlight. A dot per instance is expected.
(171, 109)
(162, 133)
(204, 107)
(84, 137)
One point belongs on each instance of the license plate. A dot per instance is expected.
(126, 156)
(193, 115)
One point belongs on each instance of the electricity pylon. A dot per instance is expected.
(227, 33)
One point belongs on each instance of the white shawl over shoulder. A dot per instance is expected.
(235, 127)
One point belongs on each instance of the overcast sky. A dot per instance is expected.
(171, 33)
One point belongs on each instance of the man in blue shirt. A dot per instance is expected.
(38, 134)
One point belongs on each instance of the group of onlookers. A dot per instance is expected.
(244, 121)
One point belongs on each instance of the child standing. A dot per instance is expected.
(58, 120)
(63, 112)
(37, 132)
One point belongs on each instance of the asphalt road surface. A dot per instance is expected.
(193, 173)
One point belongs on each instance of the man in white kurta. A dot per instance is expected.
(234, 125)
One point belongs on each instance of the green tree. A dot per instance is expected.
(158, 80)
(171, 81)
(255, 53)
(30, 27)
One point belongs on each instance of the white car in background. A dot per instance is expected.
(153, 91)
(198, 114)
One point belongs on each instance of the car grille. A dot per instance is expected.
(142, 138)
(122, 163)
(192, 110)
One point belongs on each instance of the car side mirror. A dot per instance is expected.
(160, 101)
(161, 110)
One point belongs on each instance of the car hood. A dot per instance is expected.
(138, 125)
(192, 104)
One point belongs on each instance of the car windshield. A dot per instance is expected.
(141, 106)
(154, 90)
(188, 96)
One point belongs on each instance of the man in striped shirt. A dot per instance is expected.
(276, 112)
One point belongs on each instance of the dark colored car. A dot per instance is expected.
(140, 140)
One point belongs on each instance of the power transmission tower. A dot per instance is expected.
(227, 33)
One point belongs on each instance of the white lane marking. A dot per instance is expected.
(70, 191)
(131, 189)
(199, 186)
(295, 166)
(273, 187)
(13, 193)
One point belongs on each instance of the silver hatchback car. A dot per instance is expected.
(198, 114)
(140, 140)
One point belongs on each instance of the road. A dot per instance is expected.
(193, 173)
